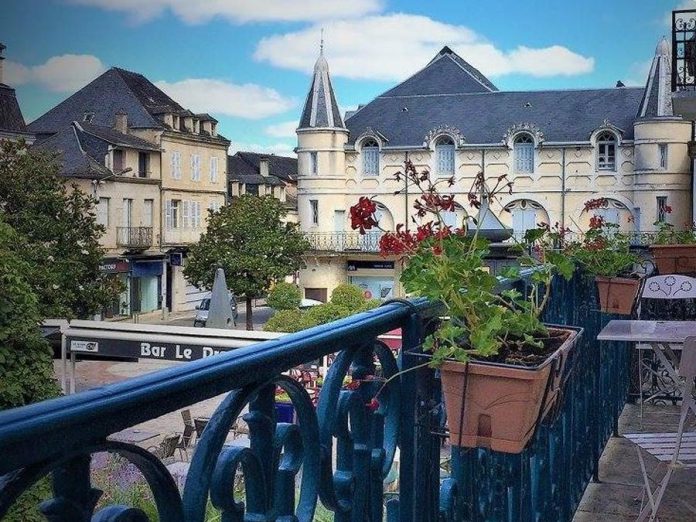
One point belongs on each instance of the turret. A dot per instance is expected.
(321, 139)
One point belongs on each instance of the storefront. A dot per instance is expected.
(145, 285)
(117, 268)
(375, 277)
(142, 284)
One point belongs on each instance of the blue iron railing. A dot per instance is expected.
(342, 447)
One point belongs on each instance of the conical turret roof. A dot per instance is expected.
(321, 109)
(657, 100)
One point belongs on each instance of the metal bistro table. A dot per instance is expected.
(659, 335)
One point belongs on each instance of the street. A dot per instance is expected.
(259, 315)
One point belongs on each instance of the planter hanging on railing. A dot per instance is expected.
(674, 259)
(617, 295)
(499, 406)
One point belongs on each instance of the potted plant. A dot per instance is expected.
(285, 411)
(674, 251)
(500, 365)
(604, 252)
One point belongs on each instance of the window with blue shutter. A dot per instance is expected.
(523, 151)
(370, 154)
(444, 153)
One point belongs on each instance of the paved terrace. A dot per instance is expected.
(616, 498)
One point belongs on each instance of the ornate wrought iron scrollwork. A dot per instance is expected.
(279, 454)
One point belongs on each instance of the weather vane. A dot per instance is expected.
(321, 44)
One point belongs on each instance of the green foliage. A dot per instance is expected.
(289, 321)
(61, 233)
(667, 234)
(284, 296)
(296, 320)
(26, 367)
(26, 507)
(347, 295)
(250, 242)
(604, 251)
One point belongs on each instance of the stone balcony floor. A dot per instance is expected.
(617, 497)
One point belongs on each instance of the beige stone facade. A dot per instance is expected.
(639, 170)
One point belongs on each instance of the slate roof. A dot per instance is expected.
(11, 118)
(116, 90)
(657, 98)
(84, 146)
(320, 109)
(428, 100)
(246, 166)
(117, 138)
(78, 152)
(454, 74)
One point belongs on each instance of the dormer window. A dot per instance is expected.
(370, 153)
(196, 126)
(444, 153)
(606, 151)
(523, 153)
(213, 129)
(177, 123)
(88, 117)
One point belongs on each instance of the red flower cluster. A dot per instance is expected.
(668, 209)
(373, 405)
(596, 222)
(596, 203)
(402, 242)
(362, 215)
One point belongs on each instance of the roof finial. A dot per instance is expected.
(321, 44)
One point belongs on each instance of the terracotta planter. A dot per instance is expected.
(674, 259)
(617, 294)
(499, 406)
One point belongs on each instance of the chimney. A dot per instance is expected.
(2, 59)
(121, 122)
(263, 167)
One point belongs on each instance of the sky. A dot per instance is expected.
(249, 62)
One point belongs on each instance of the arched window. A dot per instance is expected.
(526, 215)
(523, 151)
(606, 151)
(370, 154)
(444, 153)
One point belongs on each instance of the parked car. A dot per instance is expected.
(309, 303)
(204, 307)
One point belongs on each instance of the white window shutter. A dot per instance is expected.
(186, 214)
(168, 214)
(213, 169)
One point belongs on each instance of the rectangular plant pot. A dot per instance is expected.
(617, 295)
(674, 259)
(498, 406)
(285, 412)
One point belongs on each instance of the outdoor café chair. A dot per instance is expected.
(200, 424)
(677, 450)
(185, 440)
(165, 450)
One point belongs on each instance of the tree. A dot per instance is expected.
(59, 226)
(251, 243)
(26, 366)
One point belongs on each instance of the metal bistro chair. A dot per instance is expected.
(200, 423)
(662, 287)
(678, 449)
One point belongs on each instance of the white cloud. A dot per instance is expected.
(638, 73)
(239, 11)
(279, 148)
(219, 97)
(684, 4)
(284, 129)
(380, 48)
(65, 73)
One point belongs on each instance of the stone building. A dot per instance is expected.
(560, 148)
(264, 175)
(152, 164)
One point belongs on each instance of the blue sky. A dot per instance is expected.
(248, 62)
